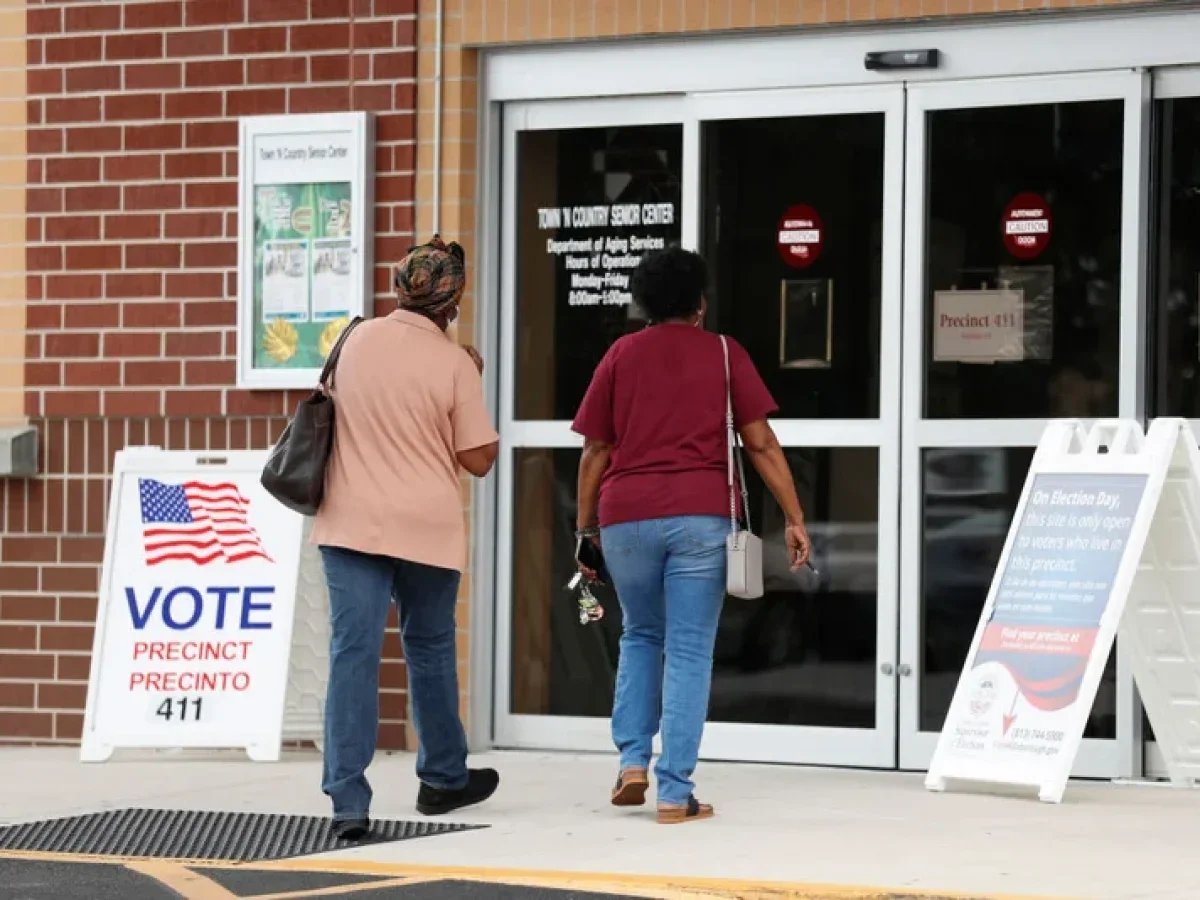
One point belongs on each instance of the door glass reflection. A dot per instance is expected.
(793, 231)
(558, 667)
(804, 654)
(1024, 261)
(969, 497)
(1176, 378)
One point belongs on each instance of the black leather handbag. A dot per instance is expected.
(295, 471)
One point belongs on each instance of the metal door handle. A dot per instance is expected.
(904, 670)
(886, 668)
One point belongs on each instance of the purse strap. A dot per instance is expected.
(733, 451)
(325, 382)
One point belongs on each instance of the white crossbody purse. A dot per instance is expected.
(743, 549)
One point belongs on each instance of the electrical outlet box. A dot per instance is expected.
(18, 452)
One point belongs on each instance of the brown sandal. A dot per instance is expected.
(676, 815)
(631, 787)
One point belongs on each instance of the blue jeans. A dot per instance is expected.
(361, 589)
(670, 579)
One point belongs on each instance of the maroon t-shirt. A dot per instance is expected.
(658, 397)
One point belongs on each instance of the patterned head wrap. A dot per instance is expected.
(430, 279)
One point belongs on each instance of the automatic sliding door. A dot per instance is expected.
(800, 205)
(588, 186)
(1019, 302)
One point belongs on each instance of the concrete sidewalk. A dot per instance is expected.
(774, 823)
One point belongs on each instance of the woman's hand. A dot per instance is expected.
(589, 574)
(798, 545)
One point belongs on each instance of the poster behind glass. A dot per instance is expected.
(303, 284)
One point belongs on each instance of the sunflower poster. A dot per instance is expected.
(303, 290)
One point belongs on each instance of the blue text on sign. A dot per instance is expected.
(184, 607)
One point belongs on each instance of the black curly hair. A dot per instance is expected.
(670, 284)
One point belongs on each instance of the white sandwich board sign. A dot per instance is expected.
(198, 598)
(1106, 536)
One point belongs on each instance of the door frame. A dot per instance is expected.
(1118, 757)
(515, 730)
(1101, 44)
(875, 747)
(1173, 83)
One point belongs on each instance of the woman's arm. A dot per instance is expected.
(479, 460)
(592, 465)
(766, 455)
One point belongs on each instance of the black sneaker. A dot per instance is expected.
(481, 784)
(351, 829)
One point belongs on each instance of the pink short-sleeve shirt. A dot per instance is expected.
(407, 399)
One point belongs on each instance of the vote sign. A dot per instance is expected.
(197, 599)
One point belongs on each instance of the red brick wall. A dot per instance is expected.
(131, 263)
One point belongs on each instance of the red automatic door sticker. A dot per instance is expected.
(1026, 226)
(800, 236)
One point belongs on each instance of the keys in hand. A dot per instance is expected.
(590, 609)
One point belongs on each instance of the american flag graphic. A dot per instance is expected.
(196, 522)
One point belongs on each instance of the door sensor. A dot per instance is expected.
(902, 59)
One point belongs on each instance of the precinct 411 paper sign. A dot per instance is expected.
(1029, 682)
(194, 627)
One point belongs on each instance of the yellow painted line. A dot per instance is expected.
(188, 884)
(652, 887)
(343, 889)
(719, 886)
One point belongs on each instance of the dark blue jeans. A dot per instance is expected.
(361, 588)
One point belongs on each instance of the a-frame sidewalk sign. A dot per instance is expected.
(1105, 538)
(212, 626)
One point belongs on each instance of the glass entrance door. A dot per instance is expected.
(801, 222)
(1022, 289)
(924, 277)
(795, 199)
(587, 187)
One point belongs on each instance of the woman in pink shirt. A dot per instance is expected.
(653, 490)
(410, 412)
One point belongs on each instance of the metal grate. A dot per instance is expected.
(187, 835)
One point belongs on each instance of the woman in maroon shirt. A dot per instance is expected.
(653, 491)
